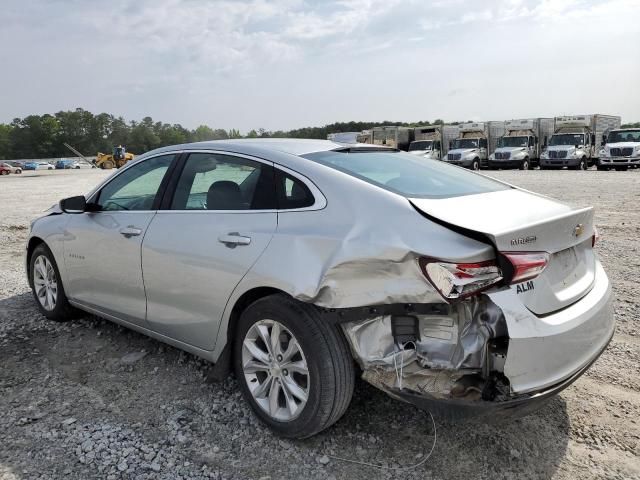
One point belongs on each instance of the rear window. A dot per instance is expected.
(407, 174)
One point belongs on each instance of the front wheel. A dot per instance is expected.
(47, 287)
(294, 368)
(525, 164)
(475, 165)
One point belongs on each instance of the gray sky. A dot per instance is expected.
(291, 63)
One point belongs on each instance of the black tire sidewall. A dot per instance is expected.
(317, 363)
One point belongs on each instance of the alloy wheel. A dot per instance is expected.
(275, 370)
(45, 283)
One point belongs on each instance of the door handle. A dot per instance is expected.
(233, 239)
(130, 231)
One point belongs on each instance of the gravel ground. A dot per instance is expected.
(89, 399)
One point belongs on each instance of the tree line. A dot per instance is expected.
(44, 136)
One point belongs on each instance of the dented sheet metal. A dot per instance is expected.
(447, 342)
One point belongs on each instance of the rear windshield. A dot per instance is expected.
(408, 175)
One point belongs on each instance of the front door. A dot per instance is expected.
(220, 220)
(102, 247)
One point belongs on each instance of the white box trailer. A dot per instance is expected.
(474, 143)
(522, 143)
(343, 137)
(432, 141)
(393, 136)
(576, 140)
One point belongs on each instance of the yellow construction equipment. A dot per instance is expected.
(116, 159)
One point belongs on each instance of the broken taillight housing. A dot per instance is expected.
(460, 280)
(526, 265)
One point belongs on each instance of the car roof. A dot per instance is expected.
(253, 146)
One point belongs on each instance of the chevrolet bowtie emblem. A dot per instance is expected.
(579, 230)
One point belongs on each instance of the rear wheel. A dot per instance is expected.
(525, 164)
(47, 287)
(18, 170)
(294, 368)
(107, 165)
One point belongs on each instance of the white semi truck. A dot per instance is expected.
(621, 150)
(432, 141)
(474, 143)
(521, 145)
(575, 142)
(343, 137)
(393, 136)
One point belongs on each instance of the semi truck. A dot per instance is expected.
(575, 141)
(432, 141)
(393, 136)
(343, 137)
(474, 143)
(621, 150)
(522, 143)
(366, 136)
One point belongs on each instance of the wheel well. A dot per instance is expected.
(31, 246)
(242, 303)
(222, 367)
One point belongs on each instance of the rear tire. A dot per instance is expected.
(47, 288)
(323, 393)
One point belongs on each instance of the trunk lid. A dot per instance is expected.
(520, 221)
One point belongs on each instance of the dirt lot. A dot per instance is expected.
(89, 399)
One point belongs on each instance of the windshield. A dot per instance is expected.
(567, 139)
(421, 145)
(513, 142)
(465, 143)
(624, 136)
(407, 175)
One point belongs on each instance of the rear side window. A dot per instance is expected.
(408, 175)
(292, 192)
(211, 181)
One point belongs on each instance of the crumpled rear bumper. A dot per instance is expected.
(489, 411)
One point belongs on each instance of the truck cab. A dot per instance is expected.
(515, 151)
(426, 148)
(621, 150)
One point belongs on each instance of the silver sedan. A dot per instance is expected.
(297, 263)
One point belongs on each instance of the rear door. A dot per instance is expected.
(102, 248)
(211, 230)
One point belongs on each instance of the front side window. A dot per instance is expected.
(407, 175)
(137, 187)
(212, 181)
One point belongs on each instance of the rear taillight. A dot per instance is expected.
(595, 238)
(526, 265)
(460, 280)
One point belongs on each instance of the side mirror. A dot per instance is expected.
(73, 204)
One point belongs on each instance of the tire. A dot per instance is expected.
(18, 171)
(4, 172)
(323, 350)
(108, 165)
(62, 310)
(475, 165)
(525, 164)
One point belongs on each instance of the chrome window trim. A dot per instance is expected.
(319, 203)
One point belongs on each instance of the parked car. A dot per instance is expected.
(12, 168)
(79, 164)
(64, 164)
(432, 281)
(38, 166)
(5, 169)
